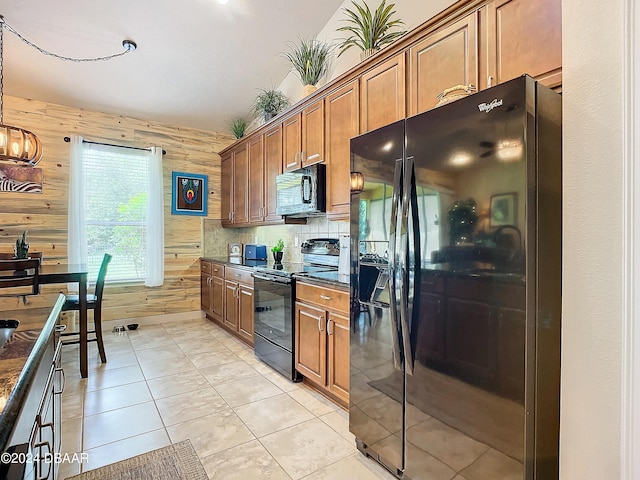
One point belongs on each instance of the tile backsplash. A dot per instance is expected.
(216, 239)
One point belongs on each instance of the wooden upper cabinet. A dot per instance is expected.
(292, 142)
(446, 58)
(342, 123)
(226, 189)
(256, 179)
(240, 182)
(525, 36)
(272, 167)
(382, 94)
(313, 133)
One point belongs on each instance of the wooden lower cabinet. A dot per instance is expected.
(245, 313)
(322, 339)
(238, 306)
(311, 343)
(338, 335)
(227, 298)
(212, 289)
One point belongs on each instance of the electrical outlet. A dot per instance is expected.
(295, 241)
(255, 239)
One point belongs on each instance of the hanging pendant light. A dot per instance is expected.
(17, 145)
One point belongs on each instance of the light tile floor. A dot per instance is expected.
(165, 383)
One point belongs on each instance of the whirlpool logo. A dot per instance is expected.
(487, 107)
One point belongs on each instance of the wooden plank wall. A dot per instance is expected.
(45, 215)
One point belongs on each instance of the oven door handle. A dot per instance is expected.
(285, 281)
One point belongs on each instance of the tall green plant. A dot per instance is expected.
(310, 58)
(238, 127)
(370, 31)
(269, 103)
(22, 247)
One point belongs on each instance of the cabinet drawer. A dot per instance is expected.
(205, 266)
(328, 298)
(238, 275)
(217, 270)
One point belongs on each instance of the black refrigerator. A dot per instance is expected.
(456, 288)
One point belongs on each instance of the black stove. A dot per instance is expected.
(274, 300)
(318, 255)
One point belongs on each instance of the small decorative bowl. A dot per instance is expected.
(132, 326)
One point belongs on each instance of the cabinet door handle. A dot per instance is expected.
(42, 457)
(489, 81)
(325, 297)
(320, 323)
(302, 158)
(63, 381)
(329, 330)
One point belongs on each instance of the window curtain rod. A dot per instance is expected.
(68, 139)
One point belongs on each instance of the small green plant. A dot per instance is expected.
(310, 58)
(270, 103)
(22, 247)
(238, 127)
(278, 246)
(370, 31)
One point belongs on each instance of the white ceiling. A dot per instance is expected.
(198, 63)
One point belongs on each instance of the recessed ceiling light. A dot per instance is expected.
(223, 2)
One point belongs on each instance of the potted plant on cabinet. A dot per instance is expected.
(277, 251)
(370, 31)
(238, 127)
(310, 59)
(270, 103)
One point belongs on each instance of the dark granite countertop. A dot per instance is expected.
(331, 278)
(19, 360)
(236, 261)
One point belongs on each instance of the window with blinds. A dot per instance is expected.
(116, 183)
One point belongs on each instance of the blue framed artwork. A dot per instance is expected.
(188, 194)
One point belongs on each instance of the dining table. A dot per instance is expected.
(71, 273)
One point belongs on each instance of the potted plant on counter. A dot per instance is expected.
(277, 251)
(310, 59)
(370, 31)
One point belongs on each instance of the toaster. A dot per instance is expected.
(255, 252)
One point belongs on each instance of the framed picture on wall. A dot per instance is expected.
(188, 194)
(503, 209)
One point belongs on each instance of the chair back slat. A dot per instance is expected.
(11, 256)
(102, 273)
(17, 273)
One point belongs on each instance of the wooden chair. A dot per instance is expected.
(94, 302)
(20, 277)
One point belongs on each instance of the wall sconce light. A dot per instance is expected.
(357, 182)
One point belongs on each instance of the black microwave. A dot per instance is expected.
(301, 193)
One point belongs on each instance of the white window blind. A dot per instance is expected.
(116, 207)
(116, 181)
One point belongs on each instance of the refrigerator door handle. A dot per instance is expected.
(393, 286)
(407, 290)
